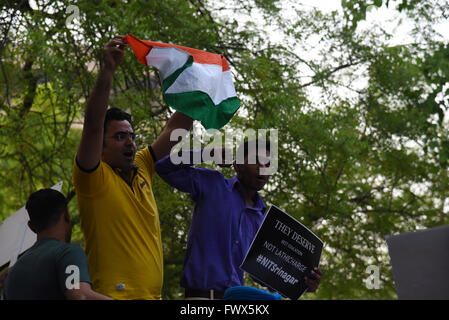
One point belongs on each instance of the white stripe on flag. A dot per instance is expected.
(166, 60)
(208, 78)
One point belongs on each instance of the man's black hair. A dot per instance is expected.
(45, 208)
(116, 114)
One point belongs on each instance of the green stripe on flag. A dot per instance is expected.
(198, 105)
(172, 78)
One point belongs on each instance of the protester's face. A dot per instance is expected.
(249, 173)
(119, 147)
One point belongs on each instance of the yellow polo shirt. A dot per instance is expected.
(121, 230)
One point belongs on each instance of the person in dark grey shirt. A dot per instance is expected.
(53, 268)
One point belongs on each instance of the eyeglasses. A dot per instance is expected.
(122, 136)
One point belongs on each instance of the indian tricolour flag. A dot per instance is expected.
(194, 82)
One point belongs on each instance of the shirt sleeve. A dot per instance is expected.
(89, 182)
(177, 170)
(146, 159)
(72, 267)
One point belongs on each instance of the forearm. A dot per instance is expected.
(98, 102)
(99, 99)
(93, 295)
(177, 170)
(85, 292)
(178, 161)
(179, 121)
(176, 128)
(89, 151)
(88, 295)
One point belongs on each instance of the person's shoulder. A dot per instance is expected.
(50, 243)
(145, 158)
(212, 177)
(69, 248)
(88, 183)
(77, 166)
(212, 173)
(73, 246)
(54, 247)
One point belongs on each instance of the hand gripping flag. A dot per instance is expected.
(194, 82)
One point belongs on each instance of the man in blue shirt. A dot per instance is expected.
(226, 217)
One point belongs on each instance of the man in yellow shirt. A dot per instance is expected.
(113, 183)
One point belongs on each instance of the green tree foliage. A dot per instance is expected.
(363, 144)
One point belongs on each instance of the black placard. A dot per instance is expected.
(282, 253)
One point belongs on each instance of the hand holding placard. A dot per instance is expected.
(285, 255)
